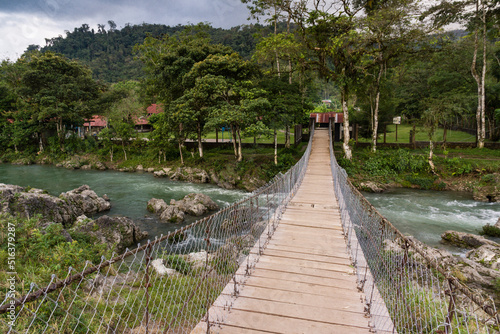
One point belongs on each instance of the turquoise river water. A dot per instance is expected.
(129, 192)
(423, 214)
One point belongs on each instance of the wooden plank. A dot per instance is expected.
(332, 281)
(341, 289)
(317, 313)
(308, 257)
(345, 272)
(282, 324)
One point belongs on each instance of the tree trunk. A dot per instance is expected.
(431, 154)
(480, 83)
(233, 133)
(483, 82)
(200, 144)
(123, 148)
(275, 147)
(240, 154)
(275, 34)
(180, 152)
(111, 153)
(287, 136)
(345, 110)
(375, 111)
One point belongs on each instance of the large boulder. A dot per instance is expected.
(372, 187)
(117, 232)
(192, 204)
(467, 240)
(85, 201)
(172, 214)
(487, 255)
(156, 205)
(195, 204)
(497, 224)
(194, 175)
(28, 202)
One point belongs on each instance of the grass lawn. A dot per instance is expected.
(421, 135)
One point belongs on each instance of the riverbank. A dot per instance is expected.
(465, 170)
(218, 166)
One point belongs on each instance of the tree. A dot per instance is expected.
(169, 64)
(328, 31)
(478, 16)
(57, 92)
(389, 31)
(230, 78)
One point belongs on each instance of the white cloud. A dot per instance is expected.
(31, 21)
(20, 30)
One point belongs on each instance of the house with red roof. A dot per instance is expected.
(94, 125)
(142, 123)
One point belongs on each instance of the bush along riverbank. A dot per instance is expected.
(218, 166)
(471, 170)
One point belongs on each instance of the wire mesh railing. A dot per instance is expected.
(164, 286)
(406, 287)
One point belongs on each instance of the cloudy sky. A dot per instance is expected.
(25, 22)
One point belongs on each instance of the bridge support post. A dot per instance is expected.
(451, 308)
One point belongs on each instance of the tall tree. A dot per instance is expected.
(233, 90)
(168, 61)
(57, 92)
(478, 16)
(389, 30)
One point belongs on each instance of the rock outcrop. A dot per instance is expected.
(467, 240)
(117, 232)
(194, 204)
(85, 201)
(372, 187)
(172, 214)
(478, 269)
(226, 178)
(28, 202)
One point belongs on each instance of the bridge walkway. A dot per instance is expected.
(303, 282)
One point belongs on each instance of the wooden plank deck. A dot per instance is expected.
(303, 282)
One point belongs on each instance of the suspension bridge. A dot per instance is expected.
(304, 254)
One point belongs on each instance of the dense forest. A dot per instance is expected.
(109, 51)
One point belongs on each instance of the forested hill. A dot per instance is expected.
(109, 51)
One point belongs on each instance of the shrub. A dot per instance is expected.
(178, 263)
(490, 230)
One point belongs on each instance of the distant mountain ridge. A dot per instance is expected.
(109, 51)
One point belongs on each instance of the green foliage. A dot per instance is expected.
(459, 167)
(392, 162)
(109, 51)
(42, 252)
(490, 230)
(178, 263)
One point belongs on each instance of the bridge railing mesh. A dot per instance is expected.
(164, 286)
(407, 288)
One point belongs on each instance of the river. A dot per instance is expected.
(421, 213)
(128, 192)
(425, 214)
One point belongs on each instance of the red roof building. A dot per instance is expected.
(96, 121)
(142, 123)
